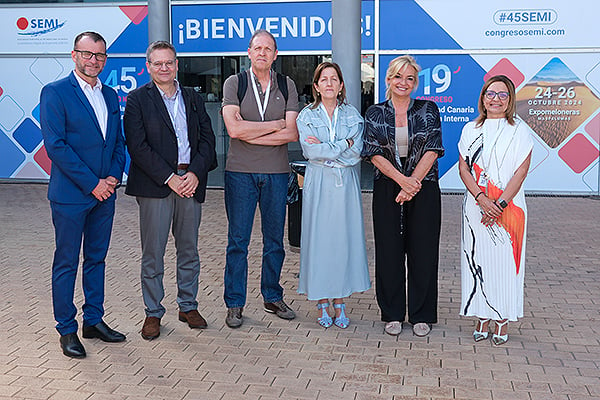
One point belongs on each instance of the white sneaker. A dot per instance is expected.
(393, 328)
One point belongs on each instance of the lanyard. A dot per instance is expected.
(332, 121)
(175, 110)
(262, 108)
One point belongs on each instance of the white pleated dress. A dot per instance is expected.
(493, 258)
(333, 256)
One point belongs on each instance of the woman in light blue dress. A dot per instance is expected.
(333, 257)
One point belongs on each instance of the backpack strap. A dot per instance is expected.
(282, 83)
(242, 86)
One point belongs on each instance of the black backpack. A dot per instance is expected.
(243, 85)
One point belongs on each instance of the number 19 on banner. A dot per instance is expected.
(440, 75)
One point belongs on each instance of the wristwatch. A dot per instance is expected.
(502, 203)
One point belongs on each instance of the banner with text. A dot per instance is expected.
(51, 30)
(227, 27)
(468, 24)
(557, 95)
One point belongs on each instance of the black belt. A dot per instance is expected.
(183, 166)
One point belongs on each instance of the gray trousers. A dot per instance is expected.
(156, 217)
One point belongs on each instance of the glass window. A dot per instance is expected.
(207, 74)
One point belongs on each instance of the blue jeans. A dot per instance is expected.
(242, 192)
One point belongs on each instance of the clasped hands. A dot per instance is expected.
(105, 188)
(490, 210)
(184, 185)
(410, 187)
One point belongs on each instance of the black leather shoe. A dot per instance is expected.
(102, 332)
(71, 346)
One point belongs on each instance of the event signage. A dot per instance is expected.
(557, 92)
(124, 74)
(50, 30)
(227, 27)
(510, 24)
(453, 83)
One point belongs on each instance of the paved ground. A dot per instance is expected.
(553, 353)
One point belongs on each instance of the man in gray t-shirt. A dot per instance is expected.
(260, 126)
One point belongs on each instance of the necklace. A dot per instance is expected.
(499, 164)
(485, 175)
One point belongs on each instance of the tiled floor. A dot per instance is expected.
(553, 352)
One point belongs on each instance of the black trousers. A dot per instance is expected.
(406, 238)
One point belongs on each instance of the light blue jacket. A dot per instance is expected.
(336, 153)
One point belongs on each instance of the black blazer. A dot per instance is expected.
(152, 143)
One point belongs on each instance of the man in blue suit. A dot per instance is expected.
(81, 126)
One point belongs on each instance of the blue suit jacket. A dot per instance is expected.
(80, 155)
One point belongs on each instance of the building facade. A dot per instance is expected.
(548, 51)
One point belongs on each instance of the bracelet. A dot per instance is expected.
(478, 194)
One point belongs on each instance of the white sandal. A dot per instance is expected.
(498, 339)
(479, 334)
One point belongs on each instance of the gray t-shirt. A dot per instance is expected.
(253, 158)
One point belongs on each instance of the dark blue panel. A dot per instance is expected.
(10, 155)
(124, 74)
(298, 26)
(28, 135)
(35, 113)
(403, 24)
(134, 39)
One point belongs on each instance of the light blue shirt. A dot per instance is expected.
(176, 108)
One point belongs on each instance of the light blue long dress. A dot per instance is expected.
(333, 257)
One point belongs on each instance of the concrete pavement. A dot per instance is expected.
(553, 352)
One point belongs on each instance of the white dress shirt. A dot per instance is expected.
(96, 99)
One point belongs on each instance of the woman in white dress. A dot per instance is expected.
(333, 256)
(495, 153)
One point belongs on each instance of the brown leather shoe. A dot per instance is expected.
(193, 319)
(151, 328)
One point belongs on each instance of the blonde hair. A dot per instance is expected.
(395, 66)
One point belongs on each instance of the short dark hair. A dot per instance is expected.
(159, 45)
(341, 97)
(95, 36)
(262, 32)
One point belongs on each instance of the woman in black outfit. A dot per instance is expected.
(403, 140)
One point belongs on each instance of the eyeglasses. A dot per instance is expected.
(170, 64)
(87, 55)
(490, 95)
